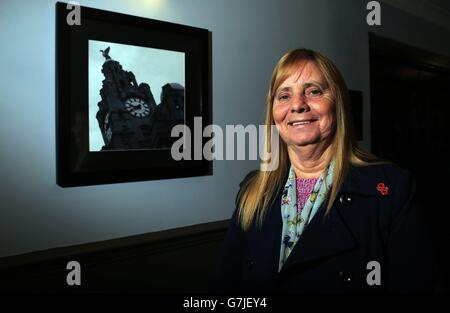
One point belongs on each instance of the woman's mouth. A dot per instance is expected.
(298, 123)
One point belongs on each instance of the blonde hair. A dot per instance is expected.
(257, 193)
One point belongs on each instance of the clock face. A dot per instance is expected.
(137, 107)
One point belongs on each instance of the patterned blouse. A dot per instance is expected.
(304, 188)
(300, 201)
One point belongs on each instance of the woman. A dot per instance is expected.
(331, 217)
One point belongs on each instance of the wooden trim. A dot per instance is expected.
(153, 243)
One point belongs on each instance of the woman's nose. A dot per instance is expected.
(300, 105)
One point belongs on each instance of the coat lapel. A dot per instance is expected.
(266, 242)
(325, 236)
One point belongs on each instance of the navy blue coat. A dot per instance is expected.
(333, 252)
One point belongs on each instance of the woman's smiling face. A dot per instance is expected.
(303, 107)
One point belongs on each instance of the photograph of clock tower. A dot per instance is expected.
(128, 117)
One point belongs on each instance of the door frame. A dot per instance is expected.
(406, 54)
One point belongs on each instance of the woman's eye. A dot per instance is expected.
(314, 92)
(283, 97)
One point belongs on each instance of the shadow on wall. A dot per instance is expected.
(410, 107)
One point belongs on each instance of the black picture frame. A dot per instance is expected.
(76, 164)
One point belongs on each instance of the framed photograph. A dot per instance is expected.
(122, 84)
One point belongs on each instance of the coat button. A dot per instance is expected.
(250, 263)
(345, 199)
(345, 277)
